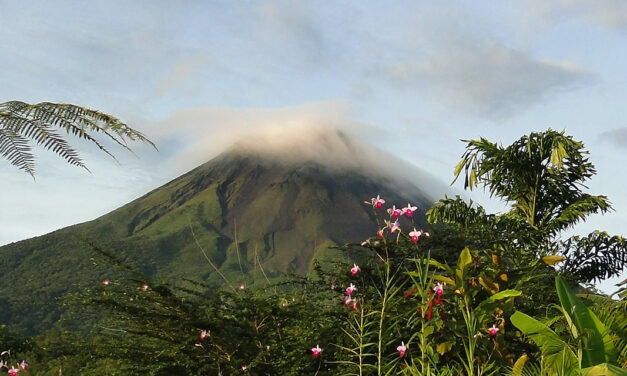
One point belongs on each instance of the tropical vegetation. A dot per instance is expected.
(474, 294)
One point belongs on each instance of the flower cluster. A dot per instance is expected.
(14, 370)
(392, 224)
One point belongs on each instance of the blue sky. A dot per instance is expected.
(412, 78)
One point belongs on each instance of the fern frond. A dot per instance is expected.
(40, 123)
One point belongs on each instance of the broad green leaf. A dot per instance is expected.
(605, 369)
(598, 346)
(552, 259)
(441, 278)
(557, 354)
(465, 259)
(438, 265)
(488, 305)
(519, 365)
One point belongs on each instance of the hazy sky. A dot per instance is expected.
(412, 78)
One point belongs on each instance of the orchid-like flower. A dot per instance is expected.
(24, 365)
(493, 330)
(144, 287)
(241, 287)
(394, 212)
(380, 233)
(439, 289)
(105, 282)
(354, 269)
(347, 301)
(401, 349)
(409, 210)
(355, 305)
(13, 371)
(377, 202)
(350, 289)
(414, 235)
(394, 226)
(316, 351)
(203, 334)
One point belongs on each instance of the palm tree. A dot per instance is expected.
(44, 124)
(542, 176)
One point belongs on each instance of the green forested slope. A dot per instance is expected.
(249, 215)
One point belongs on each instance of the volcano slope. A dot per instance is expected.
(250, 215)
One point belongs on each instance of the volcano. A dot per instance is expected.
(248, 213)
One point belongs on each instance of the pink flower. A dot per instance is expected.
(13, 371)
(380, 233)
(439, 289)
(241, 287)
(316, 351)
(24, 365)
(347, 301)
(355, 305)
(493, 330)
(354, 269)
(203, 334)
(394, 212)
(144, 287)
(409, 210)
(350, 289)
(105, 282)
(414, 235)
(377, 202)
(365, 243)
(401, 349)
(394, 226)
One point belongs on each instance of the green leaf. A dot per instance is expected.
(465, 259)
(605, 369)
(488, 305)
(519, 365)
(552, 259)
(598, 347)
(557, 354)
(441, 278)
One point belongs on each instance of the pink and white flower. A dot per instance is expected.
(493, 330)
(354, 269)
(355, 305)
(144, 287)
(13, 371)
(347, 301)
(380, 233)
(394, 226)
(24, 365)
(439, 289)
(414, 235)
(105, 282)
(401, 349)
(409, 210)
(316, 351)
(350, 289)
(394, 212)
(203, 334)
(377, 202)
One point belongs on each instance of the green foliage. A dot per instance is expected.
(542, 177)
(589, 348)
(21, 123)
